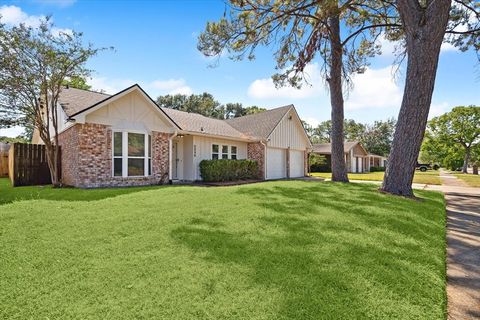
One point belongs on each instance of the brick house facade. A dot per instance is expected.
(256, 151)
(87, 158)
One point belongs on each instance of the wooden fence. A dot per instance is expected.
(28, 165)
(4, 159)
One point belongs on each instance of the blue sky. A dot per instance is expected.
(155, 46)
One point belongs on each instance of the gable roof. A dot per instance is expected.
(75, 100)
(326, 148)
(195, 122)
(260, 124)
(254, 127)
(110, 98)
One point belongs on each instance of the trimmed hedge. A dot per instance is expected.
(228, 170)
(377, 169)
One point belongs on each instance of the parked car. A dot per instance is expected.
(424, 166)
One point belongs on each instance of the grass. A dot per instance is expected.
(470, 179)
(273, 250)
(428, 177)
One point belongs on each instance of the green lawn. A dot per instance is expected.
(470, 179)
(274, 250)
(428, 177)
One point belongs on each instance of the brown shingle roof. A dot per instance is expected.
(326, 148)
(259, 124)
(195, 122)
(74, 100)
(255, 126)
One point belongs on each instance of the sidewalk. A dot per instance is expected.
(463, 247)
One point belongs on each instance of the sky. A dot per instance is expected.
(155, 45)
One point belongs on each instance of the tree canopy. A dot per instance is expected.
(206, 105)
(453, 136)
(35, 62)
(376, 137)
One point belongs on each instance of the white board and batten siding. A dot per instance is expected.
(131, 112)
(288, 136)
(202, 147)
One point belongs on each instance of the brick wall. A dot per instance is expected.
(256, 151)
(87, 158)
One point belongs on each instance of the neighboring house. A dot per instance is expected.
(127, 139)
(356, 157)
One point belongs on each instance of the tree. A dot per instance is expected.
(34, 63)
(425, 25)
(77, 82)
(457, 129)
(301, 31)
(19, 139)
(206, 105)
(377, 138)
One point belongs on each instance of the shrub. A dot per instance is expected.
(228, 170)
(377, 169)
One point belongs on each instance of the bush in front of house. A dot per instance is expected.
(228, 170)
(377, 169)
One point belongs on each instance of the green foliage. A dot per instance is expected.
(206, 105)
(377, 169)
(376, 138)
(19, 139)
(318, 163)
(77, 82)
(228, 170)
(453, 137)
(299, 32)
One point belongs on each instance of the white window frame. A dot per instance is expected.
(217, 153)
(236, 152)
(221, 151)
(125, 156)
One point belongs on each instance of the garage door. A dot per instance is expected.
(296, 164)
(276, 163)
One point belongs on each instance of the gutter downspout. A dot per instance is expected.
(264, 143)
(170, 155)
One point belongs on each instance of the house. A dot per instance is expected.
(126, 139)
(356, 157)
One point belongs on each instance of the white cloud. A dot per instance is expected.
(437, 109)
(12, 132)
(110, 86)
(57, 32)
(314, 122)
(375, 88)
(171, 86)
(13, 15)
(387, 46)
(154, 88)
(265, 88)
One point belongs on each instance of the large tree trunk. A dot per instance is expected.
(339, 171)
(466, 159)
(475, 168)
(424, 31)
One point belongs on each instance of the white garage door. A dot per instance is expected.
(276, 163)
(296, 164)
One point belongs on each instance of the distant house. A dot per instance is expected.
(127, 139)
(358, 160)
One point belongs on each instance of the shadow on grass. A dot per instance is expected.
(9, 194)
(342, 251)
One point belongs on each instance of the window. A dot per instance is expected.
(132, 155)
(214, 151)
(221, 152)
(117, 154)
(224, 152)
